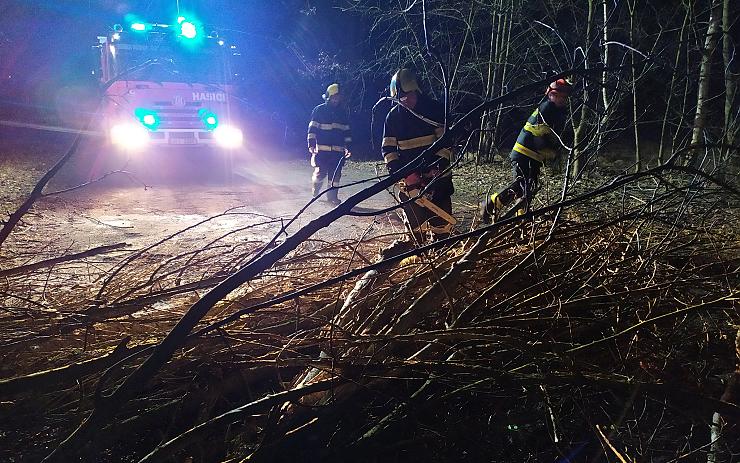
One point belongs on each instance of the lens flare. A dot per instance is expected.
(131, 137)
(228, 137)
(188, 30)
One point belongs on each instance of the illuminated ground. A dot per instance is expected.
(182, 190)
(113, 213)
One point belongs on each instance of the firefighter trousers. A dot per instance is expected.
(327, 165)
(421, 220)
(526, 172)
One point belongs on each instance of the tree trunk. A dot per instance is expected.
(679, 133)
(632, 6)
(580, 131)
(504, 59)
(730, 395)
(705, 71)
(604, 78)
(484, 145)
(730, 128)
(672, 86)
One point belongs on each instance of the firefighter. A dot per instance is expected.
(329, 140)
(537, 143)
(410, 128)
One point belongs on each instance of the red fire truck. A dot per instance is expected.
(168, 85)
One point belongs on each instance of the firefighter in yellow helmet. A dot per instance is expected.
(537, 144)
(410, 128)
(329, 140)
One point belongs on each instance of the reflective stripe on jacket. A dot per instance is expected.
(538, 138)
(406, 136)
(329, 128)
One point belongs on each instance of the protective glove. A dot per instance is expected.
(394, 165)
(412, 180)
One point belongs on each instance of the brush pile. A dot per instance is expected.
(602, 325)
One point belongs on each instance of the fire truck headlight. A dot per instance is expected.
(228, 137)
(129, 136)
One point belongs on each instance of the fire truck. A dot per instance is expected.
(168, 85)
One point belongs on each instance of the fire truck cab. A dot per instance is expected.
(168, 85)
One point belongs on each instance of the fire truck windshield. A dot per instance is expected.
(163, 61)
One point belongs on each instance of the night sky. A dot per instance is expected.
(46, 53)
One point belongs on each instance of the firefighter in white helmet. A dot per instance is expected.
(329, 141)
(410, 128)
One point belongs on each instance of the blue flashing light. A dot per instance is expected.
(209, 119)
(148, 118)
(188, 30)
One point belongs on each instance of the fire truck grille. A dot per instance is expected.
(179, 118)
(182, 135)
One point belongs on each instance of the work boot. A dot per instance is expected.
(331, 196)
(489, 208)
(483, 212)
(316, 188)
(396, 248)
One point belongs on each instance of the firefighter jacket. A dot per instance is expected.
(539, 138)
(329, 128)
(406, 136)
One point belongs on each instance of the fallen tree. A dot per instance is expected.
(528, 331)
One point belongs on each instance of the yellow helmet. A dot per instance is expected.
(403, 81)
(331, 90)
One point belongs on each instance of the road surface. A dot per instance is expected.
(181, 191)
